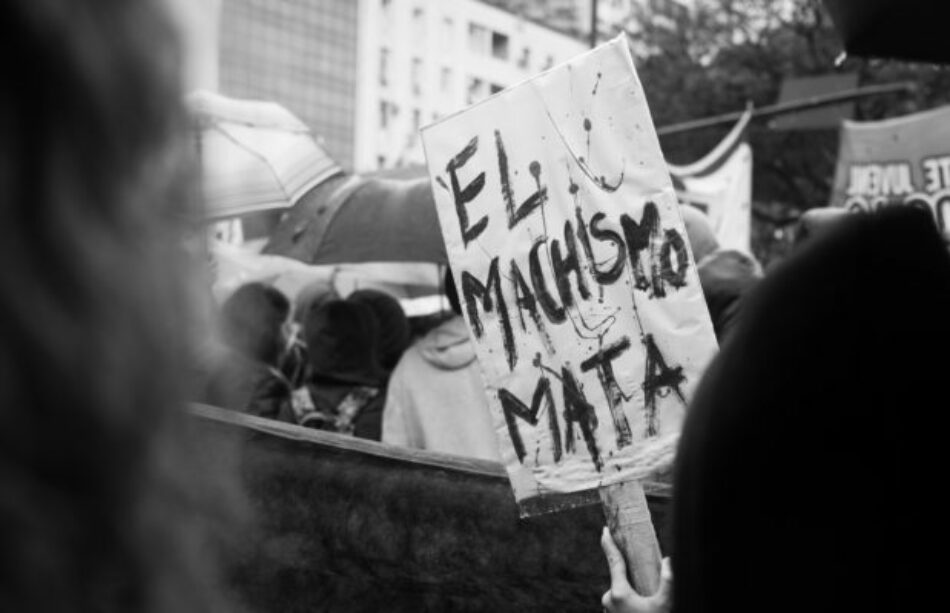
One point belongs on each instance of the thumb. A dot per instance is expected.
(615, 561)
(665, 589)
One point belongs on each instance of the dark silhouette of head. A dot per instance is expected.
(726, 276)
(341, 339)
(252, 322)
(394, 334)
(313, 295)
(806, 470)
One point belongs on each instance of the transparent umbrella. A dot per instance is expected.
(255, 156)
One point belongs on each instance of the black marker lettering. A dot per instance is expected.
(577, 410)
(656, 377)
(674, 245)
(602, 361)
(473, 290)
(466, 195)
(554, 312)
(534, 200)
(513, 408)
(563, 267)
(609, 276)
(639, 237)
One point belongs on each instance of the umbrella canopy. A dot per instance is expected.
(366, 219)
(234, 266)
(900, 29)
(255, 156)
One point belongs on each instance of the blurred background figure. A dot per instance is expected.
(436, 398)
(699, 232)
(296, 363)
(817, 220)
(726, 276)
(346, 385)
(393, 326)
(313, 296)
(255, 327)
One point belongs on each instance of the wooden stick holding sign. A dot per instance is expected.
(631, 527)
(578, 286)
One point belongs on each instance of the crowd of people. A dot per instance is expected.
(807, 475)
(349, 365)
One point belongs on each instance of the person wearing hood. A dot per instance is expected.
(726, 276)
(436, 398)
(346, 385)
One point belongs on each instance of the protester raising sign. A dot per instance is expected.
(897, 161)
(576, 278)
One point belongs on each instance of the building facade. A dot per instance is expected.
(365, 75)
(301, 54)
(421, 60)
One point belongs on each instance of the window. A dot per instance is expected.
(524, 60)
(416, 76)
(416, 119)
(448, 34)
(548, 62)
(418, 25)
(380, 161)
(479, 41)
(384, 66)
(499, 46)
(476, 90)
(445, 79)
(387, 112)
(495, 88)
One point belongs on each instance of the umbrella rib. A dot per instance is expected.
(263, 158)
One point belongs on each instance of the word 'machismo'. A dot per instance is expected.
(658, 258)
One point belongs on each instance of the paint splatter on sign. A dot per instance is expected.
(574, 273)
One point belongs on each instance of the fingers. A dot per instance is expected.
(621, 597)
(615, 561)
(665, 590)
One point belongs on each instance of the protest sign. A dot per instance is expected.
(720, 185)
(574, 272)
(896, 161)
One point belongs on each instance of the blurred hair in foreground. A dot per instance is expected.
(95, 304)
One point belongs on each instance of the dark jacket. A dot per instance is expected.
(249, 386)
(346, 408)
(346, 382)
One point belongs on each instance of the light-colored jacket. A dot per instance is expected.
(436, 398)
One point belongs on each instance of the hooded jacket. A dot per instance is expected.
(437, 399)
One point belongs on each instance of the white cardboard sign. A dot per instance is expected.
(574, 271)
